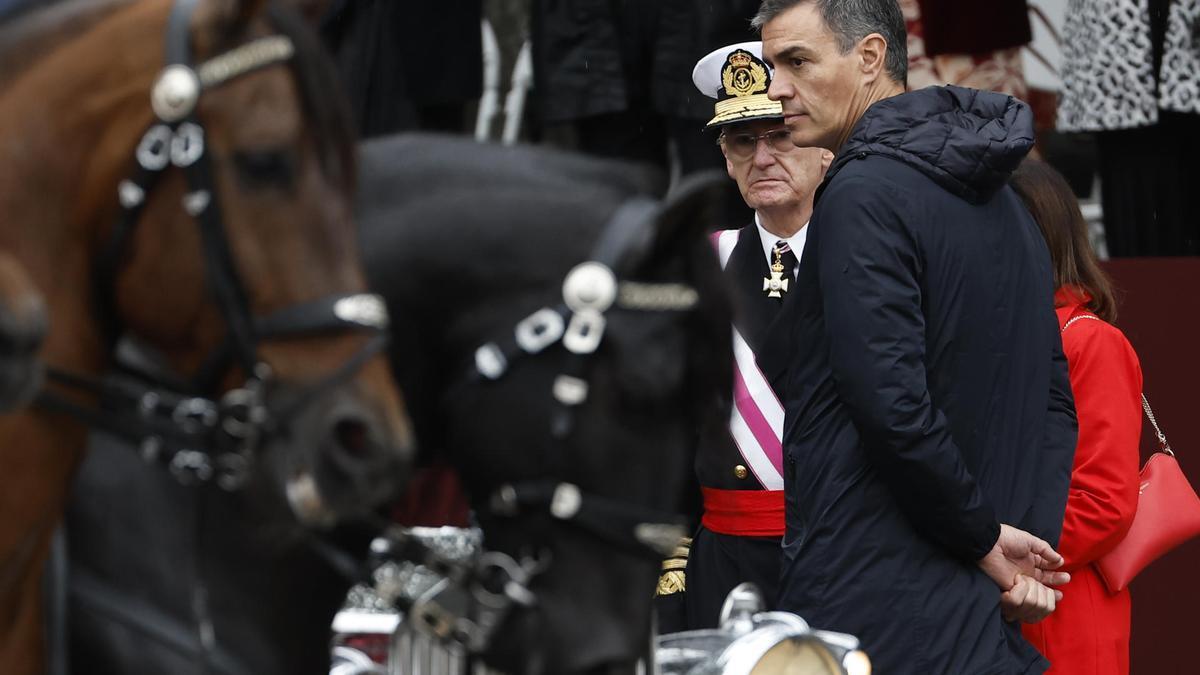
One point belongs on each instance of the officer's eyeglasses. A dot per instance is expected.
(742, 145)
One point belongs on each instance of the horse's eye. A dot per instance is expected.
(260, 169)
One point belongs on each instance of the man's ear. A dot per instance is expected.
(872, 52)
(826, 159)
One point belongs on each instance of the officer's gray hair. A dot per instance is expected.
(852, 20)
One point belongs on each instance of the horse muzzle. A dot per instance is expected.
(349, 461)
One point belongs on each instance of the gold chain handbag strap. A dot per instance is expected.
(1162, 438)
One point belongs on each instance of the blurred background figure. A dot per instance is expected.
(612, 78)
(407, 65)
(1013, 47)
(1131, 74)
(970, 44)
(1089, 631)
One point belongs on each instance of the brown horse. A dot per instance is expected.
(156, 261)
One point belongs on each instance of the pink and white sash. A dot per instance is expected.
(756, 422)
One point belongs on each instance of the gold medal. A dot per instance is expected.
(775, 285)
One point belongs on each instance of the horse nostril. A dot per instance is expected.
(353, 436)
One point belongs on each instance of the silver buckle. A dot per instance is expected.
(539, 330)
(584, 332)
(195, 414)
(569, 390)
(191, 466)
(490, 361)
(187, 145)
(154, 150)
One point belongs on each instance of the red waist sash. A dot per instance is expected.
(743, 513)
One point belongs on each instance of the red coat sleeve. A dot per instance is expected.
(1106, 380)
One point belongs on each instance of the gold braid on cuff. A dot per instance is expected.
(673, 580)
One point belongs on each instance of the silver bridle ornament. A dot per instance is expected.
(177, 88)
(364, 309)
(175, 93)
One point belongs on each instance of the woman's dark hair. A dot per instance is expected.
(1056, 210)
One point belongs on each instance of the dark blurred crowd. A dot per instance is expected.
(613, 78)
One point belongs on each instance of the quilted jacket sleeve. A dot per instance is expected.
(871, 293)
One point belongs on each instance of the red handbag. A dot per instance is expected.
(1168, 514)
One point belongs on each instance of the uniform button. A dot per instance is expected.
(740, 471)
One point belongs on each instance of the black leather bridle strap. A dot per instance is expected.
(130, 427)
(222, 274)
(220, 269)
(627, 234)
(344, 311)
(132, 194)
(283, 411)
(506, 350)
(179, 24)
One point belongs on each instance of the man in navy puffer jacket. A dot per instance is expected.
(929, 428)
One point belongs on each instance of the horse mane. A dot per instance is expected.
(36, 30)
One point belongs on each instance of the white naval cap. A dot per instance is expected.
(738, 78)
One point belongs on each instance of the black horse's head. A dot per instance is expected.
(470, 242)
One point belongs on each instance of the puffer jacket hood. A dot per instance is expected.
(967, 141)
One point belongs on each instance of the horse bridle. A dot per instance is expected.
(201, 438)
(473, 596)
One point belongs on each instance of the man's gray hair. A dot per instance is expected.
(852, 20)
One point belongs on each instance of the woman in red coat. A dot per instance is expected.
(1089, 631)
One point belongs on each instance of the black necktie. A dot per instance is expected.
(783, 261)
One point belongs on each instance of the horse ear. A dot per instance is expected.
(690, 211)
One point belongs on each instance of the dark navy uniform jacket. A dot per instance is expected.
(763, 322)
(928, 398)
(742, 519)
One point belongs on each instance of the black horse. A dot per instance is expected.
(464, 241)
(466, 253)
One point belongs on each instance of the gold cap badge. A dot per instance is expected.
(742, 76)
(739, 79)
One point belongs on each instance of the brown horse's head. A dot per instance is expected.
(279, 180)
(75, 103)
(282, 172)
